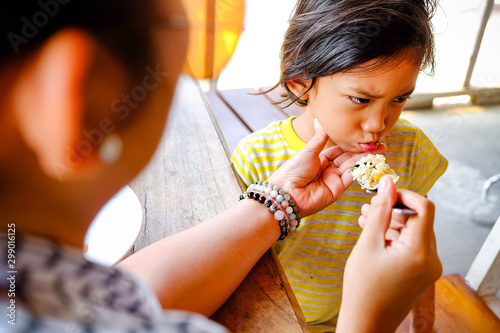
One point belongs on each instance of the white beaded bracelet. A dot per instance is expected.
(278, 202)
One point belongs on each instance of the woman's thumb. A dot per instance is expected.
(318, 141)
(379, 218)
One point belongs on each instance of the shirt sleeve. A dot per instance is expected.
(428, 164)
(242, 164)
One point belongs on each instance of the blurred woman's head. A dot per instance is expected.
(86, 86)
(121, 26)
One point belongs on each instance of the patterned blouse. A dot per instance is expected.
(50, 288)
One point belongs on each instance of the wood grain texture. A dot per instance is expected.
(459, 309)
(255, 110)
(232, 127)
(190, 180)
(259, 307)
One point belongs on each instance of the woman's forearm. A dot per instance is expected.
(422, 313)
(199, 268)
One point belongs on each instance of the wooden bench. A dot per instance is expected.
(462, 305)
(241, 111)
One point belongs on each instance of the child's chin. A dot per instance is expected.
(351, 149)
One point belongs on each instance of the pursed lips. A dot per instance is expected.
(369, 146)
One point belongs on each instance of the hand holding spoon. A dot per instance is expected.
(398, 208)
(368, 171)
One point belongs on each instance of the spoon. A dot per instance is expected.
(398, 208)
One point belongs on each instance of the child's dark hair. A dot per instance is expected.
(325, 37)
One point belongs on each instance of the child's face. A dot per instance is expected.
(359, 108)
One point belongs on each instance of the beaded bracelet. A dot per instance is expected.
(278, 202)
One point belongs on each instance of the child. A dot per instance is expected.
(352, 65)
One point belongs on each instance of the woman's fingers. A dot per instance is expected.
(398, 221)
(425, 214)
(392, 235)
(318, 141)
(348, 160)
(332, 153)
(378, 221)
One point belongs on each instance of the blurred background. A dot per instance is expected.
(255, 62)
(458, 107)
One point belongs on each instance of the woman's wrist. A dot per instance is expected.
(263, 222)
(279, 203)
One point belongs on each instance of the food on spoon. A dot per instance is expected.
(369, 169)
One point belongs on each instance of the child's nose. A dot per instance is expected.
(374, 122)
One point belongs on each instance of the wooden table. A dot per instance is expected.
(192, 166)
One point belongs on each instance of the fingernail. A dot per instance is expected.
(382, 185)
(316, 124)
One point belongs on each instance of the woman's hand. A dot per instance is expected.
(314, 177)
(398, 221)
(382, 280)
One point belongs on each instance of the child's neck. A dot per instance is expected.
(303, 126)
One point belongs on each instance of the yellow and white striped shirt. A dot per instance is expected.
(314, 256)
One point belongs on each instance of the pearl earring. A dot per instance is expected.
(110, 149)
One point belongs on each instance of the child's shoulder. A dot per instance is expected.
(272, 132)
(405, 127)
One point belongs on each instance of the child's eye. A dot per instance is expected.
(358, 100)
(402, 99)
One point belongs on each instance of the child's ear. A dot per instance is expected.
(49, 96)
(299, 88)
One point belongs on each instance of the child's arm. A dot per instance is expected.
(422, 313)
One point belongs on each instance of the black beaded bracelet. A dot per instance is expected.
(278, 202)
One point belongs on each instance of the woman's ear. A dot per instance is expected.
(299, 88)
(49, 97)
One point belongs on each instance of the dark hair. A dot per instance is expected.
(325, 37)
(120, 25)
